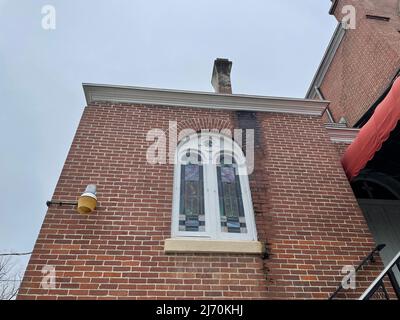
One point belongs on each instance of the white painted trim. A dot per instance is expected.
(342, 135)
(178, 98)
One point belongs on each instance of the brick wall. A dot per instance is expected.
(305, 212)
(366, 61)
(341, 148)
(318, 227)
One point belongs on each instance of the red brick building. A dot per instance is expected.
(357, 75)
(280, 221)
(359, 64)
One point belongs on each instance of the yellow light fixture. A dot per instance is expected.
(88, 200)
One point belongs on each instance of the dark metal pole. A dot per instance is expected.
(61, 203)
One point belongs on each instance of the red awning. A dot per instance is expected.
(374, 133)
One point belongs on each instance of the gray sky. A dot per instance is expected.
(275, 47)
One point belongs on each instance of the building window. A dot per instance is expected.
(191, 201)
(211, 190)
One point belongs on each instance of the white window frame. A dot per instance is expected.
(211, 200)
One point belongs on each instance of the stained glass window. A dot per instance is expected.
(211, 199)
(230, 198)
(192, 217)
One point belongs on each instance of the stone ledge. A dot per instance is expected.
(183, 245)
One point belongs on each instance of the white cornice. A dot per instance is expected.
(342, 135)
(178, 98)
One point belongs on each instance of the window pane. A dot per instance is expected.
(192, 217)
(230, 198)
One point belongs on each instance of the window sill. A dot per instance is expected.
(187, 245)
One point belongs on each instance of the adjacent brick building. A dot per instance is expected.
(307, 222)
(356, 75)
(359, 64)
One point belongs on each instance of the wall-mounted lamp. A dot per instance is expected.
(86, 202)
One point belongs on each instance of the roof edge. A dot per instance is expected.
(327, 59)
(333, 7)
(181, 98)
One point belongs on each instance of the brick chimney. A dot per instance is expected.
(221, 77)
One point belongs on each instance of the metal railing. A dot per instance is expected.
(369, 258)
(378, 284)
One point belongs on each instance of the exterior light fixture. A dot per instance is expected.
(88, 200)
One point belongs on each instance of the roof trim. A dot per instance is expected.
(342, 134)
(179, 98)
(333, 7)
(327, 59)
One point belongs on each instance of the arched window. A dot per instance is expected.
(211, 190)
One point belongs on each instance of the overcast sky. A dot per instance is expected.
(275, 47)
